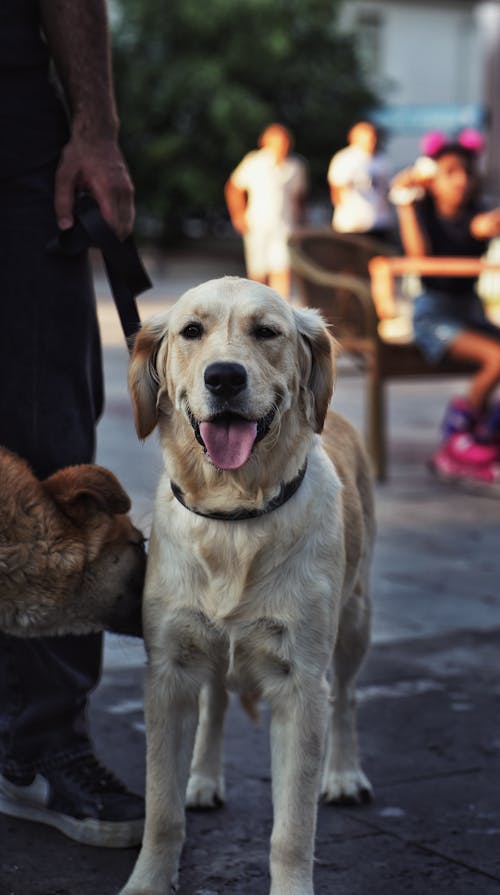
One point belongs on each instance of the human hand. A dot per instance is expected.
(97, 166)
(486, 225)
(404, 179)
(410, 184)
(419, 174)
(424, 171)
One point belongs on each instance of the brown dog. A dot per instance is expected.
(71, 561)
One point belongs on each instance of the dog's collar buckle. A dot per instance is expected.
(287, 490)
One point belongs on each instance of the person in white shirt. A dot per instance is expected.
(265, 195)
(359, 182)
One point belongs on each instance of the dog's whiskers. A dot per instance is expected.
(274, 434)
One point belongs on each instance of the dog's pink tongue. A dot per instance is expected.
(229, 442)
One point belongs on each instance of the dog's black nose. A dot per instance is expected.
(225, 379)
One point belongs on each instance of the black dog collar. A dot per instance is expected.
(287, 490)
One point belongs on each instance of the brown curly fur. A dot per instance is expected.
(70, 559)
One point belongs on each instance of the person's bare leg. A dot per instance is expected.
(485, 351)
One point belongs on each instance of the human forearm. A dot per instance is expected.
(406, 188)
(236, 201)
(412, 237)
(336, 193)
(486, 225)
(78, 38)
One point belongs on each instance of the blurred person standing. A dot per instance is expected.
(52, 390)
(265, 197)
(358, 177)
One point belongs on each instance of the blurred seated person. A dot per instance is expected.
(441, 213)
(265, 197)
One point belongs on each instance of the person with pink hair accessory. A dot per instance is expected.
(472, 139)
(440, 213)
(432, 142)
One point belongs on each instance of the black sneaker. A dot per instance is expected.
(81, 799)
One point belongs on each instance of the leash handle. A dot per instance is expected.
(125, 271)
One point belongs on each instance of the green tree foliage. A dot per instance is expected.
(197, 81)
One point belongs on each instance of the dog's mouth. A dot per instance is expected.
(229, 438)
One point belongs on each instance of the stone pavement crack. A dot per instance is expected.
(428, 849)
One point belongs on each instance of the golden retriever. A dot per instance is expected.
(71, 561)
(257, 575)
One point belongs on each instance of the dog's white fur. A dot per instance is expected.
(267, 605)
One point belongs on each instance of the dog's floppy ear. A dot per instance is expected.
(316, 357)
(143, 374)
(82, 491)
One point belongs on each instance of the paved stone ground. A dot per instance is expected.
(429, 692)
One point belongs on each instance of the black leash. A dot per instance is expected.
(125, 271)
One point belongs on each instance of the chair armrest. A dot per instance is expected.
(433, 265)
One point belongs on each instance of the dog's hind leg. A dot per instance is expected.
(206, 781)
(343, 778)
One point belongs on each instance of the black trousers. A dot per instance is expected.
(51, 396)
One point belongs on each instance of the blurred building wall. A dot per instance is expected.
(489, 24)
(435, 65)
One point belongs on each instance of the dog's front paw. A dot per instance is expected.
(204, 792)
(154, 886)
(173, 889)
(346, 788)
(141, 891)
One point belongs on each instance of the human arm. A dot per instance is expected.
(78, 39)
(405, 190)
(236, 200)
(337, 181)
(414, 241)
(336, 194)
(486, 225)
(415, 245)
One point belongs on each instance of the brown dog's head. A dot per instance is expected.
(109, 594)
(235, 377)
(71, 562)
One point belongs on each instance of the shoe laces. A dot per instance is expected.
(93, 777)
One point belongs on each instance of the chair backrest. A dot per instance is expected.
(316, 254)
(339, 252)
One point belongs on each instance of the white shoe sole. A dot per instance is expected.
(88, 831)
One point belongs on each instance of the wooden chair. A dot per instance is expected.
(333, 273)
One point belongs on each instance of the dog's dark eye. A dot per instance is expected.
(192, 331)
(265, 332)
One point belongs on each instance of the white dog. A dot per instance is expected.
(258, 566)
